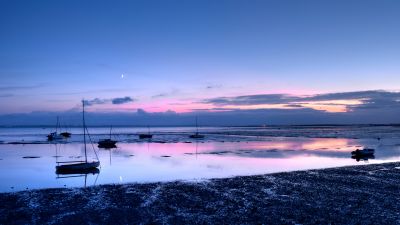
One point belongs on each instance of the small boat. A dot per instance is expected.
(66, 134)
(55, 135)
(78, 166)
(363, 152)
(146, 136)
(107, 143)
(196, 135)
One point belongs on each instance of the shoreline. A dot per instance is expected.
(367, 194)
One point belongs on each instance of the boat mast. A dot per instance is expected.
(110, 131)
(197, 128)
(57, 125)
(84, 127)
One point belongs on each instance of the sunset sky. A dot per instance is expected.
(329, 57)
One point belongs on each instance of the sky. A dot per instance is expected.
(284, 62)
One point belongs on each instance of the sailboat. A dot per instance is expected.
(79, 166)
(107, 143)
(146, 136)
(196, 135)
(54, 135)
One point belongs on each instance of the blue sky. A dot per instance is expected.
(176, 55)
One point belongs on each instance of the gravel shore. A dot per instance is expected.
(367, 194)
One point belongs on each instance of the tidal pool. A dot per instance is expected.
(32, 166)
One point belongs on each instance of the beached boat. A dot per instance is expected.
(78, 166)
(196, 135)
(146, 136)
(363, 152)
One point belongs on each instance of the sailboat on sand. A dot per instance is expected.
(79, 166)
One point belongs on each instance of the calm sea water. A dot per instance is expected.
(171, 155)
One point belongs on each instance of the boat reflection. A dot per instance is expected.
(364, 158)
(82, 173)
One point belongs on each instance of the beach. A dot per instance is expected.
(242, 175)
(367, 194)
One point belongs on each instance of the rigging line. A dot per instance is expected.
(95, 181)
(91, 142)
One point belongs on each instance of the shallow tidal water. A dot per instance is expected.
(171, 156)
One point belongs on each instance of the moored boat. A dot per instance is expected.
(363, 152)
(78, 166)
(108, 142)
(146, 136)
(196, 135)
(66, 134)
(55, 135)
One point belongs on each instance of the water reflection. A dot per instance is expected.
(364, 158)
(82, 173)
(153, 162)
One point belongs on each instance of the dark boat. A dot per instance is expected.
(196, 135)
(78, 166)
(146, 136)
(66, 134)
(107, 143)
(363, 152)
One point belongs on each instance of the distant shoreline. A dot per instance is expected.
(249, 126)
(367, 194)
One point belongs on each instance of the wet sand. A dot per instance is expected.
(367, 194)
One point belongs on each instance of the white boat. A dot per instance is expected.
(55, 135)
(78, 166)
